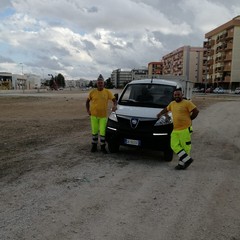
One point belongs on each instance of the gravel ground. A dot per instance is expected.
(52, 187)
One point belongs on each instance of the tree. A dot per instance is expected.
(109, 84)
(90, 84)
(51, 83)
(60, 80)
(46, 83)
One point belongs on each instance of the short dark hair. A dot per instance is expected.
(178, 89)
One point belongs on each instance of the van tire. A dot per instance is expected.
(113, 147)
(168, 155)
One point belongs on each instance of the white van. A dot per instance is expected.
(135, 123)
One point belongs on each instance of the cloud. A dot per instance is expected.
(209, 14)
(85, 38)
(5, 59)
(5, 4)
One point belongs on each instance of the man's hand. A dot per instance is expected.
(89, 112)
(114, 108)
(162, 112)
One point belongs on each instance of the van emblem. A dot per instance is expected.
(134, 122)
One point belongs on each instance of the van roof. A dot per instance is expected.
(173, 82)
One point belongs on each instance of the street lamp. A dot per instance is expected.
(42, 74)
(22, 67)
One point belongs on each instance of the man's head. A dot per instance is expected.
(178, 95)
(100, 82)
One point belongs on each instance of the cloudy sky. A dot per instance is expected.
(83, 38)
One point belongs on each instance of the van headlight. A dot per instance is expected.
(113, 117)
(164, 120)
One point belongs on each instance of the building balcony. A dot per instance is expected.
(220, 49)
(209, 43)
(210, 62)
(229, 46)
(206, 44)
(223, 36)
(229, 35)
(205, 53)
(228, 59)
(219, 69)
(211, 52)
(208, 53)
(175, 57)
(212, 42)
(204, 72)
(227, 68)
(227, 79)
(219, 59)
(210, 71)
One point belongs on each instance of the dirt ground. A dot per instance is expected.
(52, 187)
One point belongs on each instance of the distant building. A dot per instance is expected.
(19, 81)
(222, 55)
(33, 81)
(10, 81)
(121, 77)
(155, 68)
(81, 83)
(185, 61)
(26, 81)
(5, 81)
(139, 73)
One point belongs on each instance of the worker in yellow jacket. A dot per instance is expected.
(183, 112)
(97, 108)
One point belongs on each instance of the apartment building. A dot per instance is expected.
(139, 73)
(120, 77)
(155, 68)
(221, 64)
(185, 61)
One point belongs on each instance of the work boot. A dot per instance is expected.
(94, 147)
(103, 149)
(180, 167)
(185, 166)
(187, 163)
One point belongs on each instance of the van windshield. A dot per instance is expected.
(147, 95)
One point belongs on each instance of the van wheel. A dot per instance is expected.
(113, 147)
(168, 155)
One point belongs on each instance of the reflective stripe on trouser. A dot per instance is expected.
(98, 125)
(181, 144)
(183, 157)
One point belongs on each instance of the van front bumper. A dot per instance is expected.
(145, 135)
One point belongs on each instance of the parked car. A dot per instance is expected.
(196, 90)
(209, 90)
(237, 90)
(218, 90)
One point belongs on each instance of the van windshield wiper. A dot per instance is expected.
(128, 100)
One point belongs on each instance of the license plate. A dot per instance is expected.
(132, 142)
